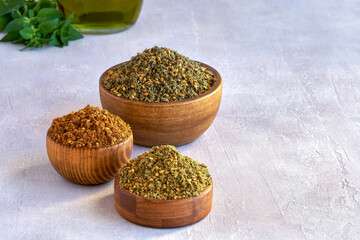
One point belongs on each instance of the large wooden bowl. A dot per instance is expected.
(162, 213)
(88, 166)
(176, 123)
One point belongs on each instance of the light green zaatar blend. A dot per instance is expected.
(163, 173)
(159, 75)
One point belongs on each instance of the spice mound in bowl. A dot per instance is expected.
(89, 127)
(89, 146)
(166, 97)
(159, 75)
(163, 189)
(163, 173)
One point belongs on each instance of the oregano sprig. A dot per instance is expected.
(36, 23)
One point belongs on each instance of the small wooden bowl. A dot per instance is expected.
(175, 123)
(88, 166)
(162, 213)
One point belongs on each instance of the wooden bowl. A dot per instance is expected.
(162, 213)
(175, 123)
(88, 166)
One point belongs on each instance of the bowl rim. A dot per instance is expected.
(215, 88)
(206, 191)
(91, 149)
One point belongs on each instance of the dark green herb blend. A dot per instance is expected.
(159, 75)
(163, 173)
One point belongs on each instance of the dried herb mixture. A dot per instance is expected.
(163, 173)
(89, 127)
(159, 75)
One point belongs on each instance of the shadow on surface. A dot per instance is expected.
(107, 210)
(42, 186)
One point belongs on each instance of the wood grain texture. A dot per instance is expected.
(176, 123)
(283, 150)
(88, 166)
(162, 213)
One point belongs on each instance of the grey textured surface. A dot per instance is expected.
(283, 151)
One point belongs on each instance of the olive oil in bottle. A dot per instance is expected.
(101, 17)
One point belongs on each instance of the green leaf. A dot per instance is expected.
(15, 3)
(64, 33)
(34, 44)
(20, 40)
(11, 5)
(11, 36)
(54, 39)
(74, 35)
(25, 11)
(31, 4)
(15, 25)
(38, 34)
(16, 14)
(36, 7)
(64, 40)
(48, 26)
(3, 6)
(4, 20)
(27, 33)
(49, 13)
(55, 42)
(46, 4)
(66, 23)
(34, 21)
(31, 13)
(44, 40)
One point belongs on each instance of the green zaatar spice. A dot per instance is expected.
(89, 127)
(163, 173)
(159, 75)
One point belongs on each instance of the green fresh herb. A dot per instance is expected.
(35, 23)
(159, 75)
(163, 173)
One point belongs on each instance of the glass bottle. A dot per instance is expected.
(101, 17)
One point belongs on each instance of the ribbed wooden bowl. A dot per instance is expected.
(162, 213)
(88, 166)
(175, 123)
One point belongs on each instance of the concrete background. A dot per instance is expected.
(283, 151)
